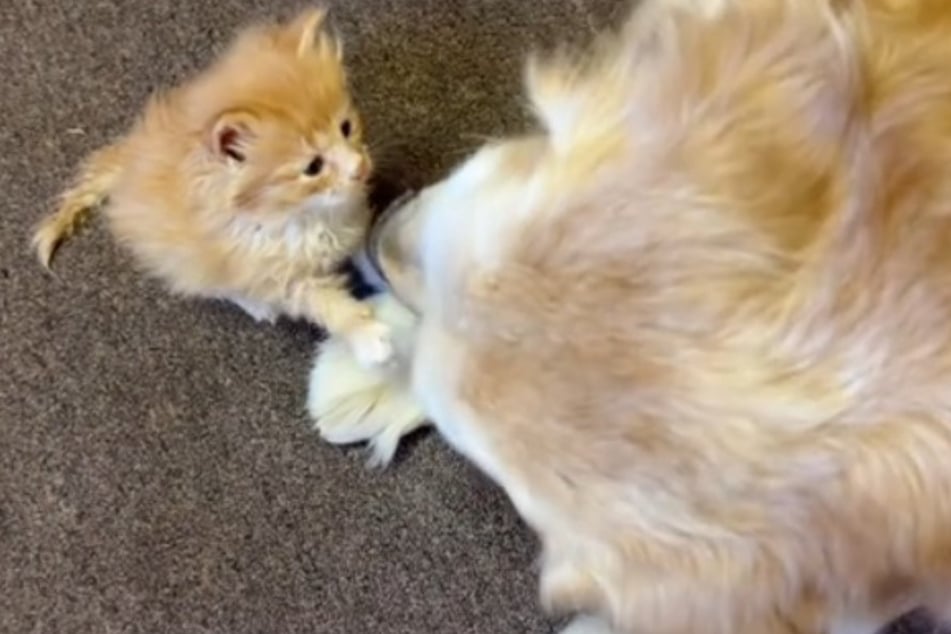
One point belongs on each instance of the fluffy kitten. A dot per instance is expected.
(246, 183)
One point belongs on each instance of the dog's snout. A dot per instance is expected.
(391, 248)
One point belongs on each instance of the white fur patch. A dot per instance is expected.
(588, 625)
(259, 311)
(351, 403)
(315, 236)
(471, 218)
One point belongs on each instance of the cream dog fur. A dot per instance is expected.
(699, 328)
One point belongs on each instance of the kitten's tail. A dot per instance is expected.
(97, 177)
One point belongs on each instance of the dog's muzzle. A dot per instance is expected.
(391, 250)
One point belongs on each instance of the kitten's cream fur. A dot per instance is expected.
(216, 191)
(700, 329)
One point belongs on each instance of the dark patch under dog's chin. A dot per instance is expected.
(356, 284)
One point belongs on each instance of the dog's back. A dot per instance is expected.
(708, 349)
(699, 328)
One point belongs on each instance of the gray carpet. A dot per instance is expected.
(156, 469)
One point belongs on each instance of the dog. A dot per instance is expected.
(697, 325)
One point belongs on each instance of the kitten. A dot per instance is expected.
(246, 183)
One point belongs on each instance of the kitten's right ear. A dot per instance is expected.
(231, 136)
(307, 29)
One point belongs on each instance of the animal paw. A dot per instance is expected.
(372, 344)
(350, 403)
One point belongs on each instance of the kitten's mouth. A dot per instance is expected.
(390, 251)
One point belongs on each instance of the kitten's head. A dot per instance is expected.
(284, 128)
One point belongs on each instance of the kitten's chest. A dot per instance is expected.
(302, 248)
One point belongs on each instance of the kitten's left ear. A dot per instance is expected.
(231, 135)
(309, 30)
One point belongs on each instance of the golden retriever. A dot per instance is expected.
(698, 327)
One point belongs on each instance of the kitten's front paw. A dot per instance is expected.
(372, 344)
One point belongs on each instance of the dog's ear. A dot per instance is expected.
(548, 83)
(573, 107)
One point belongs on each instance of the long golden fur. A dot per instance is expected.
(700, 328)
(244, 183)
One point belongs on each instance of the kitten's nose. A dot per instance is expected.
(351, 164)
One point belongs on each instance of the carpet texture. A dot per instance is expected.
(157, 473)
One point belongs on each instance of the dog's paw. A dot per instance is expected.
(352, 403)
(372, 344)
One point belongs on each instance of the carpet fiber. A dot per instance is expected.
(157, 473)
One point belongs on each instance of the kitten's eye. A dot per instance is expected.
(314, 167)
(346, 128)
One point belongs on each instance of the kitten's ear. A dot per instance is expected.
(231, 135)
(307, 29)
(333, 45)
(309, 33)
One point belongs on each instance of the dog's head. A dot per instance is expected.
(469, 220)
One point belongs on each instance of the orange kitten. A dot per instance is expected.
(246, 183)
